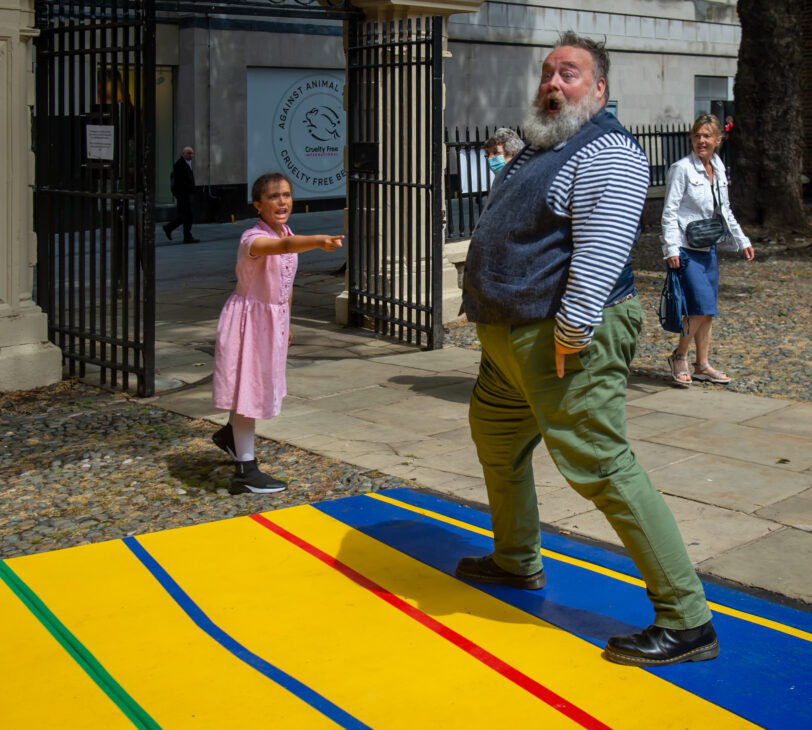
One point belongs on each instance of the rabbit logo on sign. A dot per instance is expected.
(309, 134)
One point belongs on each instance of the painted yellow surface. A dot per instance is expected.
(384, 667)
(176, 672)
(41, 686)
(566, 664)
(717, 607)
(370, 659)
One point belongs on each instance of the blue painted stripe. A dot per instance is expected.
(762, 674)
(294, 686)
(724, 595)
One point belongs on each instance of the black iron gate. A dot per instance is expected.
(394, 122)
(94, 129)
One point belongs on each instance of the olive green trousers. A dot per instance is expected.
(518, 399)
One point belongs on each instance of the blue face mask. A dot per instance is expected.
(496, 163)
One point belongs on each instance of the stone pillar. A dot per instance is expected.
(387, 10)
(27, 358)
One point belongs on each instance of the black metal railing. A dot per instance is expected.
(468, 179)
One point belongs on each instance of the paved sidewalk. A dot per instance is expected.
(736, 469)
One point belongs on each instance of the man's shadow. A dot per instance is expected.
(445, 595)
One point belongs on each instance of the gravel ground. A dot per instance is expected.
(81, 465)
(761, 337)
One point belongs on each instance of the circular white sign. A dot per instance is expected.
(309, 133)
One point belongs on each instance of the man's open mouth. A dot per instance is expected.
(553, 105)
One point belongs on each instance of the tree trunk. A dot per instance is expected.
(767, 139)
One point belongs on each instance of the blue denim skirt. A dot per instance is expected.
(700, 280)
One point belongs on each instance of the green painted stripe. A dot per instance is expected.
(134, 712)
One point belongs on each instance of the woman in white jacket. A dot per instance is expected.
(696, 187)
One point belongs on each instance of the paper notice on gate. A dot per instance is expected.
(101, 141)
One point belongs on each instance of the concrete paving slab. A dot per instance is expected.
(655, 456)
(426, 448)
(192, 402)
(468, 488)
(556, 505)
(742, 442)
(461, 461)
(352, 452)
(171, 353)
(438, 361)
(706, 530)
(425, 416)
(650, 423)
(330, 425)
(639, 387)
(730, 483)
(794, 511)
(341, 376)
(778, 562)
(545, 472)
(717, 405)
(795, 419)
(458, 435)
(438, 479)
(358, 400)
(634, 412)
(197, 332)
(453, 386)
(189, 374)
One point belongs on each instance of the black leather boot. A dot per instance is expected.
(657, 646)
(248, 478)
(485, 570)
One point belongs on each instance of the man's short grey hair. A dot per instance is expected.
(597, 49)
(511, 142)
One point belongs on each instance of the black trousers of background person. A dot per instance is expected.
(184, 216)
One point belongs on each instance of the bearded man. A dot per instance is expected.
(549, 283)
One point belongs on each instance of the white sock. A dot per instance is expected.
(243, 429)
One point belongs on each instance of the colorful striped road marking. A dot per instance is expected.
(757, 675)
(616, 575)
(479, 653)
(335, 636)
(107, 599)
(294, 686)
(42, 684)
(353, 606)
(566, 664)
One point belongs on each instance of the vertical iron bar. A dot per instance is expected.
(436, 336)
(147, 385)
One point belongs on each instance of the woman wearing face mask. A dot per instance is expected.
(502, 148)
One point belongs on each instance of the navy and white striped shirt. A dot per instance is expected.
(602, 189)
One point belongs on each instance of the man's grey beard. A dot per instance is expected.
(545, 132)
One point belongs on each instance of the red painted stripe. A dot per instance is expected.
(529, 684)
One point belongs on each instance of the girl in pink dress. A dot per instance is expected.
(253, 332)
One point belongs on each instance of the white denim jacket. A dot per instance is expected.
(688, 198)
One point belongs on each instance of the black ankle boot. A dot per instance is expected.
(224, 439)
(248, 478)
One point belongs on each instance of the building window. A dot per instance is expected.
(711, 94)
(611, 107)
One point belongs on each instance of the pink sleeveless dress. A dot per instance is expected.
(252, 333)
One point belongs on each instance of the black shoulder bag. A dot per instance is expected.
(703, 234)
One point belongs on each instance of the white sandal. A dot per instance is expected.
(672, 360)
(708, 374)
